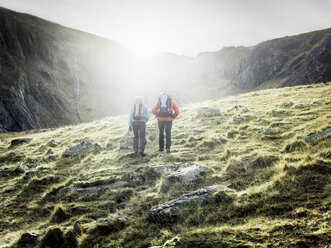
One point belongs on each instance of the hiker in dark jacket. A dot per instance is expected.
(166, 111)
(138, 117)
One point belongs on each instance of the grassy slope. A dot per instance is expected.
(283, 184)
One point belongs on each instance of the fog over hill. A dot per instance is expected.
(51, 75)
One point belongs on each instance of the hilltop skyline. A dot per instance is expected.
(185, 27)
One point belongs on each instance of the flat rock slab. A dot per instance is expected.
(81, 149)
(171, 209)
(90, 190)
(159, 169)
(315, 136)
(188, 174)
(208, 111)
(17, 142)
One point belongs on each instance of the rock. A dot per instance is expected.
(238, 106)
(51, 143)
(126, 142)
(37, 173)
(245, 110)
(315, 136)
(16, 142)
(6, 173)
(28, 239)
(319, 102)
(130, 175)
(205, 111)
(188, 174)
(91, 190)
(52, 177)
(220, 140)
(171, 210)
(49, 158)
(264, 129)
(238, 118)
(159, 169)
(301, 105)
(11, 157)
(22, 168)
(81, 149)
(32, 160)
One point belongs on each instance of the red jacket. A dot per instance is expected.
(173, 108)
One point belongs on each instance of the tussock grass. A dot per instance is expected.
(281, 184)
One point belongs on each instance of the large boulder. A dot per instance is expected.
(171, 210)
(28, 239)
(81, 149)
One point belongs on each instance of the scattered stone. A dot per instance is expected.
(11, 157)
(205, 111)
(302, 105)
(188, 174)
(238, 106)
(77, 226)
(238, 118)
(51, 143)
(49, 158)
(144, 191)
(245, 110)
(91, 190)
(53, 178)
(130, 175)
(32, 160)
(220, 140)
(319, 102)
(16, 142)
(28, 239)
(6, 173)
(171, 209)
(37, 173)
(159, 169)
(264, 129)
(315, 136)
(126, 142)
(22, 168)
(81, 149)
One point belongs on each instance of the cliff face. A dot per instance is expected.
(301, 59)
(45, 70)
(51, 75)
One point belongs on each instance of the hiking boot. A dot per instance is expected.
(168, 150)
(142, 154)
(161, 150)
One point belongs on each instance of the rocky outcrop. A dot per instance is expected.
(16, 142)
(315, 136)
(169, 211)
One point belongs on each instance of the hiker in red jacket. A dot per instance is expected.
(166, 111)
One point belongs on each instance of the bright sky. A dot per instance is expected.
(184, 27)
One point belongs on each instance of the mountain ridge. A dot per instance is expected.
(41, 63)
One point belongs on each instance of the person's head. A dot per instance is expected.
(138, 99)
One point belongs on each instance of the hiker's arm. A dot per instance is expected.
(154, 110)
(176, 109)
(130, 118)
(146, 114)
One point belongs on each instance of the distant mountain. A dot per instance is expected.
(51, 75)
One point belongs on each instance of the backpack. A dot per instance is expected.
(164, 106)
(138, 111)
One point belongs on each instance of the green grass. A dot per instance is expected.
(282, 186)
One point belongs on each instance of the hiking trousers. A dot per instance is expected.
(165, 125)
(139, 131)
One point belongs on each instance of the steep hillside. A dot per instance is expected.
(246, 171)
(51, 75)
